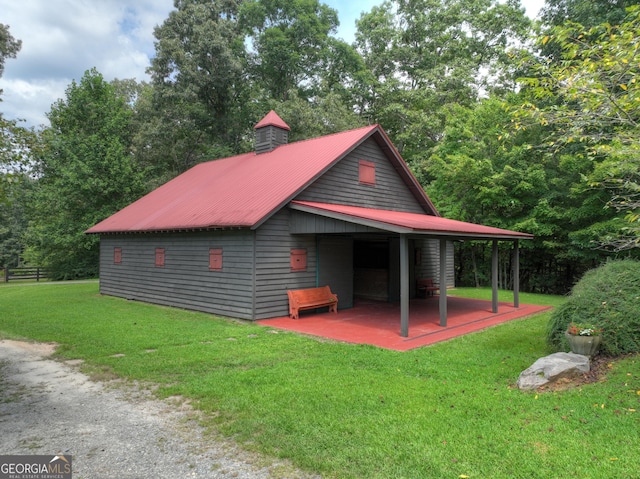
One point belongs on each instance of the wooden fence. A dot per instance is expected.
(13, 274)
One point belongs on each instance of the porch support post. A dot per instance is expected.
(404, 286)
(443, 283)
(494, 277)
(516, 274)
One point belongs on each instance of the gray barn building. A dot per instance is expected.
(231, 236)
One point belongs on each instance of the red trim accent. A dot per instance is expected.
(215, 259)
(159, 257)
(117, 255)
(367, 172)
(298, 260)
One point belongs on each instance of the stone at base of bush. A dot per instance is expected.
(553, 367)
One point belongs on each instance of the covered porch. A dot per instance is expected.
(376, 322)
(321, 218)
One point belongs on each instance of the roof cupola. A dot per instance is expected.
(271, 132)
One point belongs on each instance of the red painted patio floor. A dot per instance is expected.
(378, 323)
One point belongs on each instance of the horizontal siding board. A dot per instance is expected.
(429, 267)
(341, 185)
(305, 223)
(185, 281)
(273, 271)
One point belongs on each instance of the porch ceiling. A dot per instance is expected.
(406, 223)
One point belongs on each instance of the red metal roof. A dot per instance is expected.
(240, 191)
(272, 119)
(403, 222)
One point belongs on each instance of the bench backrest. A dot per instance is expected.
(311, 295)
(425, 283)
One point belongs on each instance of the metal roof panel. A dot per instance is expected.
(239, 191)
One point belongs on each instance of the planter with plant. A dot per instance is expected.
(584, 338)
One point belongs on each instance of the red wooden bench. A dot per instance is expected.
(311, 298)
(425, 287)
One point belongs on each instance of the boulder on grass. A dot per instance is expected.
(553, 367)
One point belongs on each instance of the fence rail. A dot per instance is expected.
(13, 274)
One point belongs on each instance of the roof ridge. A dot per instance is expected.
(345, 132)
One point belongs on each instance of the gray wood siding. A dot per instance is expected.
(306, 223)
(273, 267)
(185, 281)
(341, 185)
(268, 137)
(335, 267)
(429, 267)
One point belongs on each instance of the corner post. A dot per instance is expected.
(443, 283)
(404, 286)
(494, 277)
(516, 274)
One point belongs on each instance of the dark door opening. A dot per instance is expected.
(371, 269)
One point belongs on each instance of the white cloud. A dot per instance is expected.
(61, 39)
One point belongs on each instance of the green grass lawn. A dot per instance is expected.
(445, 411)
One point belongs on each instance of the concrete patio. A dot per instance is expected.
(378, 323)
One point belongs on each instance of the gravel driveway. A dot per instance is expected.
(48, 407)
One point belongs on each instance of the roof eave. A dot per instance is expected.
(511, 236)
(167, 230)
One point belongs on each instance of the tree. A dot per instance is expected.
(432, 54)
(17, 146)
(590, 98)
(195, 108)
(85, 173)
(484, 173)
(291, 43)
(588, 13)
(9, 47)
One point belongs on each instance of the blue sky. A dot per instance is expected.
(61, 39)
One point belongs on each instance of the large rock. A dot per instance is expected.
(553, 367)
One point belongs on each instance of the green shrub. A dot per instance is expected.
(609, 297)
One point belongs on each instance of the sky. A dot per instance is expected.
(61, 39)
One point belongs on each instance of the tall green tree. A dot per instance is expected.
(84, 174)
(17, 147)
(588, 13)
(590, 98)
(195, 108)
(16, 143)
(484, 173)
(425, 55)
(291, 44)
(9, 47)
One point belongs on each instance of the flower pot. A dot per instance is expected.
(585, 345)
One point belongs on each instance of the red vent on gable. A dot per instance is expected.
(215, 259)
(367, 172)
(117, 255)
(298, 260)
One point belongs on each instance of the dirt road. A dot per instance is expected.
(48, 407)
